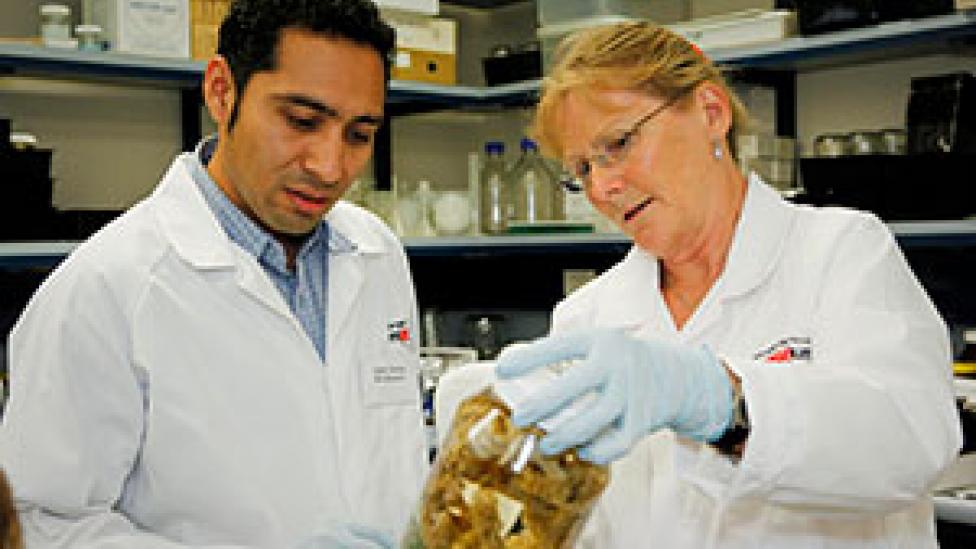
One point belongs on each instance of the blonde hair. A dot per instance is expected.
(638, 56)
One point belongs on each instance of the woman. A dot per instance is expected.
(731, 300)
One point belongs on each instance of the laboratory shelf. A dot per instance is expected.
(31, 60)
(403, 92)
(934, 233)
(886, 40)
(937, 33)
(40, 254)
(517, 245)
(24, 59)
(908, 233)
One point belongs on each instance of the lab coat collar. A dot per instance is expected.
(349, 233)
(630, 297)
(197, 237)
(759, 240)
(757, 245)
(186, 220)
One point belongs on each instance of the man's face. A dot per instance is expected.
(304, 131)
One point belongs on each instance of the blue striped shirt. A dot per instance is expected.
(305, 289)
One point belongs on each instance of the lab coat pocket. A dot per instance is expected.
(388, 376)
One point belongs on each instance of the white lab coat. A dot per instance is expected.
(164, 396)
(846, 441)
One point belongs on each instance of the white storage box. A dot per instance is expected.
(562, 11)
(551, 35)
(425, 7)
(149, 27)
(708, 8)
(738, 29)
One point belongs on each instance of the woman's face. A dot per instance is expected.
(656, 187)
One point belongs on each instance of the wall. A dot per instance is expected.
(111, 143)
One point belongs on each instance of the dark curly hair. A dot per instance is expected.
(250, 34)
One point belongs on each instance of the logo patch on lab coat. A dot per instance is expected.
(398, 330)
(786, 351)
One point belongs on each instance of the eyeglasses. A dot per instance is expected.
(609, 151)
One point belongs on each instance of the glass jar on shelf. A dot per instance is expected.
(536, 195)
(494, 195)
(55, 24)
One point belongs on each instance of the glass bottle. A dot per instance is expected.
(537, 194)
(491, 487)
(493, 196)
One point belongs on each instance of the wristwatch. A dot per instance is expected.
(732, 442)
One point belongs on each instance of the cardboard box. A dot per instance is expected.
(205, 19)
(965, 4)
(159, 28)
(426, 49)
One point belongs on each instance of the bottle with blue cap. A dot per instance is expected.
(537, 197)
(494, 197)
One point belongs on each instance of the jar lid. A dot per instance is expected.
(88, 29)
(55, 9)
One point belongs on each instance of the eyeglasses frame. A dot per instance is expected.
(572, 184)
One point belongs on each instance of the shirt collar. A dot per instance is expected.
(242, 229)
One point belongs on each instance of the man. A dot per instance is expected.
(232, 362)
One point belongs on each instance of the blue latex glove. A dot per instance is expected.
(349, 536)
(641, 386)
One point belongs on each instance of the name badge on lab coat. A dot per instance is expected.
(390, 373)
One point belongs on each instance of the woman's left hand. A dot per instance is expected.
(641, 386)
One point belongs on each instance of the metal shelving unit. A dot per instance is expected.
(940, 33)
(28, 60)
(798, 53)
(908, 233)
(865, 44)
(617, 244)
(38, 255)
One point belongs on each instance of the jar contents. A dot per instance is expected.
(492, 488)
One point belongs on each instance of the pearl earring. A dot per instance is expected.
(717, 151)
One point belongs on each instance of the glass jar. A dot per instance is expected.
(55, 23)
(89, 37)
(832, 145)
(492, 487)
(494, 195)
